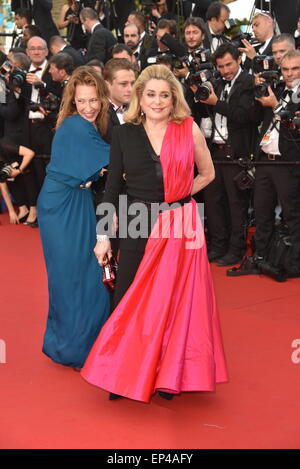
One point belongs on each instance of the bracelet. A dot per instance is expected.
(101, 238)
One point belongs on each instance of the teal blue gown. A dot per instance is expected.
(78, 300)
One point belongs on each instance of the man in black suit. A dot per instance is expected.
(40, 11)
(22, 19)
(263, 30)
(279, 142)
(101, 40)
(119, 77)
(196, 8)
(58, 44)
(233, 137)
(61, 67)
(38, 126)
(216, 15)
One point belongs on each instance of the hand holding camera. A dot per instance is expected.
(268, 101)
(248, 49)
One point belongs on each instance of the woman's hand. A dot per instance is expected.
(13, 217)
(103, 250)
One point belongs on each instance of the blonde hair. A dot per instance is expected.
(85, 75)
(180, 109)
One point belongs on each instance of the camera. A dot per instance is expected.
(236, 41)
(245, 179)
(49, 102)
(204, 78)
(272, 79)
(16, 76)
(6, 170)
(264, 63)
(288, 118)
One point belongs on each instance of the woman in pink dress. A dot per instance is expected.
(164, 334)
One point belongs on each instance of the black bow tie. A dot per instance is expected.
(217, 36)
(287, 93)
(37, 69)
(122, 109)
(227, 82)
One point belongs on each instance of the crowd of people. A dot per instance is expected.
(191, 111)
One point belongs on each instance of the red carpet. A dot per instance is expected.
(44, 405)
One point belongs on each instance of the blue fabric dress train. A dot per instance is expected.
(78, 300)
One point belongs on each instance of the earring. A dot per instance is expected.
(142, 113)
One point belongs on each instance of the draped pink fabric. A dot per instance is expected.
(165, 334)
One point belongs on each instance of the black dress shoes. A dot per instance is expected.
(229, 259)
(213, 255)
(166, 395)
(114, 397)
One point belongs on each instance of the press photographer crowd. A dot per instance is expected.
(242, 86)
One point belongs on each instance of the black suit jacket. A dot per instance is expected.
(100, 43)
(112, 122)
(241, 113)
(199, 10)
(41, 13)
(248, 64)
(288, 148)
(49, 121)
(208, 38)
(75, 54)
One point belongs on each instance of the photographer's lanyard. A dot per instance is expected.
(220, 122)
(270, 141)
(221, 131)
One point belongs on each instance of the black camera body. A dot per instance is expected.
(16, 75)
(288, 118)
(6, 170)
(272, 79)
(236, 41)
(49, 102)
(264, 63)
(204, 78)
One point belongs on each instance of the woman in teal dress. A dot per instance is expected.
(78, 300)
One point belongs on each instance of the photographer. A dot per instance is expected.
(233, 136)
(263, 30)
(216, 15)
(13, 161)
(279, 141)
(39, 122)
(163, 27)
(12, 111)
(194, 30)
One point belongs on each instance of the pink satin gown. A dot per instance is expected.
(164, 335)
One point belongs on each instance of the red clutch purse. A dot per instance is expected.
(109, 273)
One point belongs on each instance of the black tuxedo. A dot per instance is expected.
(226, 205)
(37, 135)
(75, 54)
(273, 182)
(248, 64)
(98, 186)
(41, 13)
(100, 44)
(199, 10)
(207, 42)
